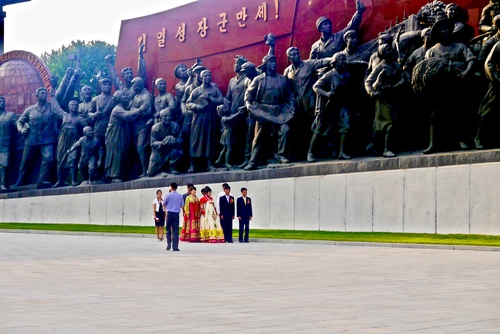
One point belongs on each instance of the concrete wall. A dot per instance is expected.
(448, 199)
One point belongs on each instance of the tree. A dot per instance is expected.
(91, 56)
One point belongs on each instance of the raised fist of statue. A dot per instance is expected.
(360, 6)
(78, 73)
(54, 81)
(108, 59)
(98, 73)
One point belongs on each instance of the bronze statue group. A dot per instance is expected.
(436, 84)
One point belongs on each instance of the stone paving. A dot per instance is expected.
(90, 284)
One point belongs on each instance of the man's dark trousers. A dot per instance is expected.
(227, 210)
(173, 229)
(245, 213)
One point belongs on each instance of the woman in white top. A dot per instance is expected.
(159, 215)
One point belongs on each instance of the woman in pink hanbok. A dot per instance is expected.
(191, 226)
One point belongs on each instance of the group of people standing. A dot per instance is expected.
(205, 219)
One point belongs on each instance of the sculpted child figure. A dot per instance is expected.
(91, 154)
(71, 130)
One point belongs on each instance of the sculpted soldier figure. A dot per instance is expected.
(490, 42)
(382, 39)
(100, 109)
(331, 43)
(7, 128)
(118, 138)
(85, 106)
(351, 51)
(71, 130)
(301, 74)
(490, 107)
(163, 100)
(231, 123)
(91, 154)
(419, 54)
(187, 114)
(142, 103)
(166, 144)
(461, 62)
(269, 98)
(38, 124)
(488, 13)
(250, 72)
(180, 72)
(413, 121)
(381, 84)
(358, 102)
(203, 102)
(332, 87)
(99, 114)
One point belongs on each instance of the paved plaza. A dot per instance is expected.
(91, 284)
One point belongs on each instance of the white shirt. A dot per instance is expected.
(222, 193)
(158, 205)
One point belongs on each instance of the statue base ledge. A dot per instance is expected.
(404, 160)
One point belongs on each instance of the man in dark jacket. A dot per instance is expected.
(244, 209)
(227, 211)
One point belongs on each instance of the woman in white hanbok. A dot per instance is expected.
(210, 228)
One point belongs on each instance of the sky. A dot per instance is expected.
(40, 26)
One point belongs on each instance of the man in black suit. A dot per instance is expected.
(189, 187)
(226, 205)
(244, 207)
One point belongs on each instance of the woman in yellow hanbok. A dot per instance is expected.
(210, 228)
